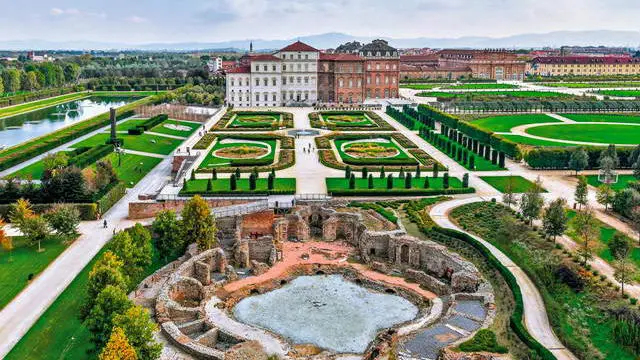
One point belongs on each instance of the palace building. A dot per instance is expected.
(584, 65)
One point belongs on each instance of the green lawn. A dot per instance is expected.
(162, 129)
(254, 120)
(494, 94)
(596, 85)
(482, 86)
(622, 93)
(534, 142)
(597, 133)
(147, 143)
(129, 124)
(341, 184)
(33, 171)
(133, 167)
(500, 183)
(39, 104)
(25, 260)
(280, 186)
(421, 86)
(615, 118)
(212, 161)
(348, 120)
(507, 122)
(623, 181)
(59, 333)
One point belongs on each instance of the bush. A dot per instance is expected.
(111, 197)
(91, 156)
(483, 340)
(568, 276)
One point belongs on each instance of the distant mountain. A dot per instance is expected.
(331, 40)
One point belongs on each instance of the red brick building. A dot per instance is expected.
(382, 70)
(340, 78)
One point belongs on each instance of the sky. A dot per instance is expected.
(147, 21)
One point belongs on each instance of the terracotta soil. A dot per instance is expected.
(241, 152)
(370, 150)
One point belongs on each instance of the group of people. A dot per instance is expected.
(308, 149)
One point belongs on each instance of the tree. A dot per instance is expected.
(370, 181)
(139, 329)
(238, 173)
(209, 185)
(252, 182)
(347, 172)
(198, 225)
(555, 219)
(531, 202)
(605, 195)
(635, 221)
(636, 168)
(270, 181)
(435, 171)
(508, 196)
(118, 347)
(587, 230)
(214, 174)
(426, 182)
(20, 212)
(407, 181)
(607, 168)
(465, 180)
(390, 181)
(472, 162)
(166, 229)
(612, 153)
(233, 182)
(108, 270)
(11, 79)
(579, 160)
(109, 302)
(620, 246)
(445, 180)
(35, 229)
(352, 182)
(624, 272)
(401, 173)
(418, 171)
(55, 161)
(64, 219)
(582, 191)
(382, 174)
(141, 239)
(365, 172)
(1, 85)
(5, 241)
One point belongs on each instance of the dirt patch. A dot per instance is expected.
(345, 118)
(241, 152)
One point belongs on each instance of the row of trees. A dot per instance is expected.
(407, 177)
(119, 328)
(38, 76)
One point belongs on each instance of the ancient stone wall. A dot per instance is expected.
(260, 223)
(149, 209)
(260, 249)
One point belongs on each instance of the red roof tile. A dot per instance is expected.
(299, 46)
(585, 60)
(263, 57)
(340, 57)
(239, 70)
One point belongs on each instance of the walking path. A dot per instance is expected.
(25, 309)
(561, 118)
(522, 131)
(535, 314)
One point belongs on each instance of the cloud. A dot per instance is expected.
(137, 19)
(57, 12)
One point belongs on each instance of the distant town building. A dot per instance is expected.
(593, 50)
(215, 64)
(31, 55)
(454, 63)
(584, 65)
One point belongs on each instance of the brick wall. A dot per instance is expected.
(145, 210)
(258, 223)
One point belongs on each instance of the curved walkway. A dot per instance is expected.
(535, 314)
(522, 131)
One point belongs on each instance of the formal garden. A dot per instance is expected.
(444, 96)
(246, 152)
(509, 184)
(254, 121)
(592, 85)
(348, 121)
(620, 93)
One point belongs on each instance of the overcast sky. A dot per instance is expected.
(143, 21)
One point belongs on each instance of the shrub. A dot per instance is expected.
(568, 276)
(483, 340)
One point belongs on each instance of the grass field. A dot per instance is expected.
(284, 185)
(59, 333)
(615, 118)
(481, 86)
(39, 104)
(596, 133)
(623, 181)
(33, 171)
(621, 93)
(500, 183)
(507, 122)
(126, 125)
(535, 142)
(595, 85)
(493, 94)
(162, 129)
(145, 142)
(25, 260)
(212, 160)
(421, 86)
(601, 246)
(339, 184)
(133, 167)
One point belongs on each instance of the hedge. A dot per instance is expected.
(91, 156)
(25, 151)
(148, 124)
(237, 192)
(88, 212)
(558, 158)
(516, 319)
(111, 197)
(37, 95)
(401, 192)
(380, 124)
(205, 141)
(221, 125)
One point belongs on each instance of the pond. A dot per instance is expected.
(327, 311)
(20, 128)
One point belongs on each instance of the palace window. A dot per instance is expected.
(257, 82)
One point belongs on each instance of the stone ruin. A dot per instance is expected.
(252, 243)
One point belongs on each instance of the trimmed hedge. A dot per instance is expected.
(148, 124)
(401, 192)
(379, 123)
(558, 158)
(91, 156)
(37, 95)
(225, 120)
(205, 141)
(111, 197)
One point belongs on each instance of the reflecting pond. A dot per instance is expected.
(19, 128)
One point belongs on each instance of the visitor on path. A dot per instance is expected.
(105, 223)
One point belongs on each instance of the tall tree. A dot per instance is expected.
(118, 347)
(531, 202)
(555, 219)
(605, 195)
(141, 238)
(579, 160)
(35, 229)
(198, 225)
(6, 241)
(139, 329)
(624, 272)
(635, 221)
(64, 219)
(612, 153)
(620, 246)
(166, 229)
(20, 212)
(587, 229)
(508, 197)
(582, 191)
(108, 270)
(109, 302)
